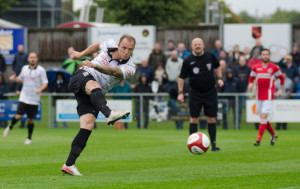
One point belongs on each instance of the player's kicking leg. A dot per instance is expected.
(98, 100)
(86, 126)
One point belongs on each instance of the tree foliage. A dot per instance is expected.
(6, 5)
(283, 16)
(247, 18)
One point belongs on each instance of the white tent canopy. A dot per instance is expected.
(7, 24)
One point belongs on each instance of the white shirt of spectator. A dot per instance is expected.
(32, 79)
(107, 82)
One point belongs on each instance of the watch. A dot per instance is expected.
(179, 92)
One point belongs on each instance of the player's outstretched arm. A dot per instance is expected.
(91, 49)
(109, 70)
(15, 78)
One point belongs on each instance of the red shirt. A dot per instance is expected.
(266, 77)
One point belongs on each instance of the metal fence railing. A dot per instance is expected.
(141, 99)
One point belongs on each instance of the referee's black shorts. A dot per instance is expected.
(209, 103)
(77, 85)
(30, 109)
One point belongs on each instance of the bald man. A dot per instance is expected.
(200, 67)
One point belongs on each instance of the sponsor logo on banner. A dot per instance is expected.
(256, 32)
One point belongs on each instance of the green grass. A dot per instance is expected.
(154, 158)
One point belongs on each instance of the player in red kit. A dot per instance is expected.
(266, 73)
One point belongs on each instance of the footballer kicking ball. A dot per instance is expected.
(198, 143)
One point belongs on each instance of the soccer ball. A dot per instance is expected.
(198, 143)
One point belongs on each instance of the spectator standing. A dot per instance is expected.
(218, 48)
(257, 46)
(296, 54)
(223, 66)
(231, 63)
(223, 55)
(200, 67)
(142, 87)
(246, 53)
(182, 52)
(34, 79)
(289, 66)
(2, 63)
(236, 54)
(161, 77)
(146, 69)
(171, 47)
(122, 87)
(230, 86)
(242, 73)
(157, 56)
(3, 90)
(173, 67)
(59, 86)
(288, 88)
(19, 61)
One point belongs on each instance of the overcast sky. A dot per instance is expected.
(262, 6)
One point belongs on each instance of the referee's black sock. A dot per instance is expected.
(13, 122)
(193, 128)
(212, 130)
(78, 145)
(30, 129)
(99, 102)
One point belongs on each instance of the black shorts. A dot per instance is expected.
(77, 85)
(210, 104)
(30, 109)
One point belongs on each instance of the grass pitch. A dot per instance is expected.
(154, 158)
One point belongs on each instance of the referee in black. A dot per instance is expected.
(199, 67)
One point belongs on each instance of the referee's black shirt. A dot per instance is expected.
(200, 70)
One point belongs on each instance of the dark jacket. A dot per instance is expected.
(2, 64)
(148, 71)
(141, 88)
(3, 89)
(296, 58)
(156, 58)
(230, 84)
(19, 61)
(242, 74)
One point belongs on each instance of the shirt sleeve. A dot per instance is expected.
(184, 70)
(44, 78)
(21, 75)
(128, 70)
(216, 63)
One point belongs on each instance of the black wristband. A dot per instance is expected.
(220, 78)
(179, 92)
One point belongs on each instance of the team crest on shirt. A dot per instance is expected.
(270, 70)
(196, 70)
(85, 74)
(208, 66)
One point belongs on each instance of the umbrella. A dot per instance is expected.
(71, 65)
(53, 71)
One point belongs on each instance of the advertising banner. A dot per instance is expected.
(8, 109)
(276, 37)
(282, 111)
(9, 41)
(145, 37)
(66, 110)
